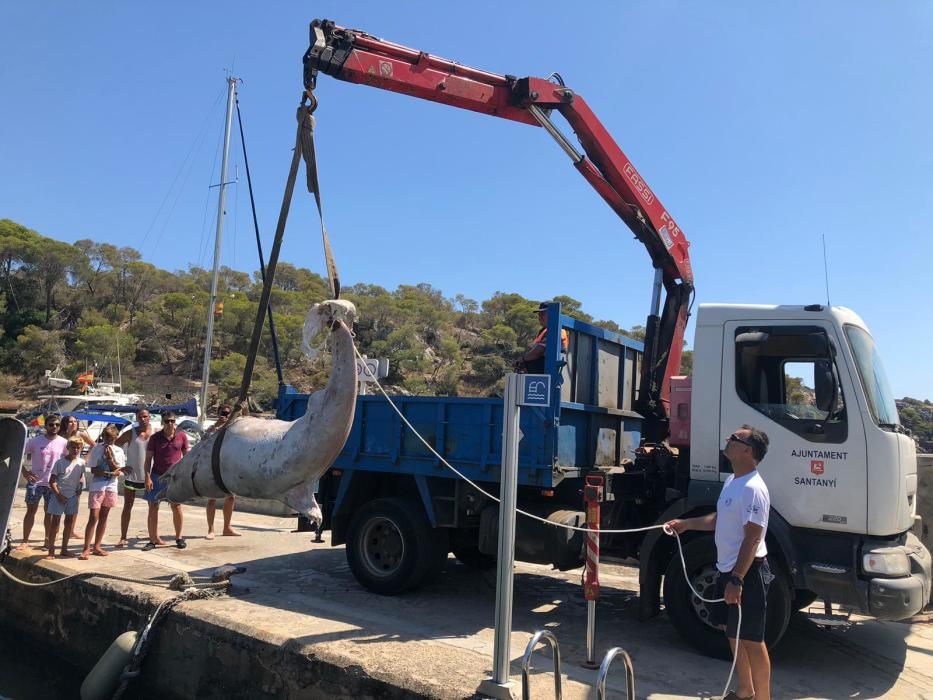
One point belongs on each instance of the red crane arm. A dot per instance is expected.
(357, 57)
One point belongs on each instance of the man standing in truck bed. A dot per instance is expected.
(533, 358)
(741, 523)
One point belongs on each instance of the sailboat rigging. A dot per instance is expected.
(212, 303)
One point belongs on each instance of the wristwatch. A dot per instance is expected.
(736, 580)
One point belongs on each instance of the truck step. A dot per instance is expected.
(824, 619)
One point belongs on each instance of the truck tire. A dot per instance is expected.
(391, 546)
(690, 616)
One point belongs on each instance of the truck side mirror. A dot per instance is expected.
(827, 387)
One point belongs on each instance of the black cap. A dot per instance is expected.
(542, 307)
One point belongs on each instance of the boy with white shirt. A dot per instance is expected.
(66, 482)
(741, 523)
(107, 462)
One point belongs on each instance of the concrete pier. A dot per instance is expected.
(297, 625)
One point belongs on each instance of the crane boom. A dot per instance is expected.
(357, 57)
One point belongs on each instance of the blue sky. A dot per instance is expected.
(762, 127)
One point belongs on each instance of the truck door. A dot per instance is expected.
(785, 378)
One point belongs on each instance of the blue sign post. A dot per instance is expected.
(536, 390)
(520, 390)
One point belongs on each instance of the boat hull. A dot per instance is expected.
(12, 446)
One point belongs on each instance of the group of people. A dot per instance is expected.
(141, 455)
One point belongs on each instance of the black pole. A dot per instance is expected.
(273, 259)
(262, 264)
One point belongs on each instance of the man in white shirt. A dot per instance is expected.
(133, 442)
(741, 523)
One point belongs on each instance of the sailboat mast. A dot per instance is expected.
(205, 377)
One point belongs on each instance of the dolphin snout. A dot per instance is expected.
(324, 316)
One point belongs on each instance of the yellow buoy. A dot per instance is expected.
(104, 679)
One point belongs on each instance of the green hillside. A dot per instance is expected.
(917, 415)
(93, 305)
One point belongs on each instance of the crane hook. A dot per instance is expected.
(308, 97)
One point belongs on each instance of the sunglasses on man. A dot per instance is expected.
(736, 438)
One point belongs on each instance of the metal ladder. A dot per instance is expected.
(604, 671)
(526, 662)
(545, 636)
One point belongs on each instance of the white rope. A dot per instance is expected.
(664, 527)
(113, 577)
(472, 483)
(738, 629)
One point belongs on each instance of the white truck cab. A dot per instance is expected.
(841, 470)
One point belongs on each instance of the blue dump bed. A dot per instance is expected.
(590, 422)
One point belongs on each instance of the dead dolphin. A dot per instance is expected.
(276, 459)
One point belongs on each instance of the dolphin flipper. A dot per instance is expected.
(301, 498)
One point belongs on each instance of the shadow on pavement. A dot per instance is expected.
(458, 608)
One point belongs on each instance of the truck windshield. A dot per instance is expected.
(874, 379)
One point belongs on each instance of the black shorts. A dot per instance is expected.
(754, 604)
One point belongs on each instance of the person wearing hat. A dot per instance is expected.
(533, 358)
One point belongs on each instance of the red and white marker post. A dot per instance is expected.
(592, 496)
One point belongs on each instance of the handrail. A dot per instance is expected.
(604, 671)
(526, 662)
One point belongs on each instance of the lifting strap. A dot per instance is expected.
(215, 462)
(215, 456)
(304, 148)
(306, 138)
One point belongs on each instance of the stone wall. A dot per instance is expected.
(194, 653)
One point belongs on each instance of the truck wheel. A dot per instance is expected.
(780, 603)
(391, 546)
(690, 615)
(465, 546)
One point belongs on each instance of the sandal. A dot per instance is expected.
(180, 543)
(732, 695)
(149, 546)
